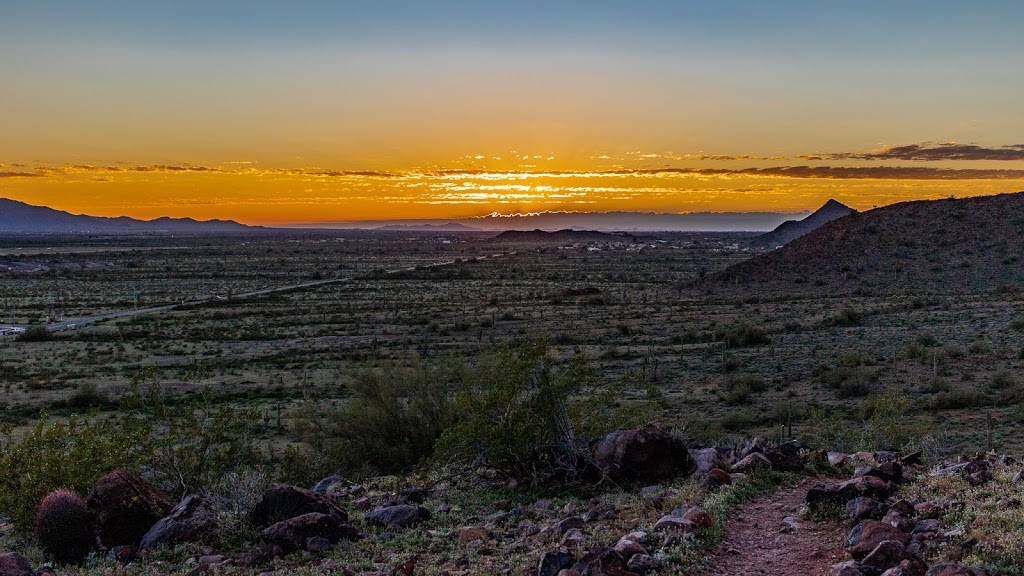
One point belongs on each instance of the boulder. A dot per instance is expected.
(751, 463)
(840, 493)
(551, 563)
(887, 554)
(716, 478)
(12, 564)
(867, 535)
(673, 522)
(864, 508)
(283, 501)
(785, 457)
(604, 562)
(642, 564)
(706, 459)
(914, 567)
(125, 507)
(700, 519)
(294, 533)
(570, 523)
(398, 516)
(848, 568)
(189, 521)
(322, 487)
(646, 454)
(954, 570)
(468, 534)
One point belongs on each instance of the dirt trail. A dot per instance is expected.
(759, 541)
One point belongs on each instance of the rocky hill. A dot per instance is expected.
(21, 218)
(939, 245)
(561, 236)
(792, 229)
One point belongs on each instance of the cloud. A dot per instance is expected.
(20, 175)
(931, 152)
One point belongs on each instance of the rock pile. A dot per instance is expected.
(889, 535)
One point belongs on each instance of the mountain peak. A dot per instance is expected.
(20, 218)
(793, 229)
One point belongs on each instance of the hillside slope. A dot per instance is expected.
(792, 229)
(21, 218)
(956, 244)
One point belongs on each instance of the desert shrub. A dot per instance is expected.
(883, 422)
(743, 335)
(846, 317)
(200, 443)
(389, 424)
(86, 396)
(64, 528)
(70, 454)
(1002, 380)
(519, 413)
(37, 333)
(740, 387)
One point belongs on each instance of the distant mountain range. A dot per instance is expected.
(792, 229)
(21, 218)
(428, 227)
(601, 221)
(584, 236)
(930, 245)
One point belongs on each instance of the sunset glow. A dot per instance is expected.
(337, 112)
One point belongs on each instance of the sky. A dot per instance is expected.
(298, 112)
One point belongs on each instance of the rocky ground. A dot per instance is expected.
(668, 509)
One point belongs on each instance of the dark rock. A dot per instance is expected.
(896, 519)
(700, 519)
(867, 535)
(751, 463)
(318, 545)
(887, 554)
(189, 521)
(913, 567)
(864, 508)
(848, 568)
(786, 457)
(123, 554)
(398, 516)
(642, 564)
(646, 454)
(551, 563)
(841, 493)
(888, 471)
(126, 507)
(293, 534)
(716, 478)
(605, 562)
(282, 501)
(573, 522)
(414, 495)
(673, 522)
(12, 564)
(707, 459)
(322, 487)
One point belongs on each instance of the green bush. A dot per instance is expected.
(70, 454)
(389, 424)
(37, 333)
(517, 414)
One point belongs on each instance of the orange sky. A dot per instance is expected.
(274, 99)
(293, 196)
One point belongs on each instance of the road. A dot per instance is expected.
(72, 323)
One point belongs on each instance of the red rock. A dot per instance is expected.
(649, 453)
(126, 507)
(867, 535)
